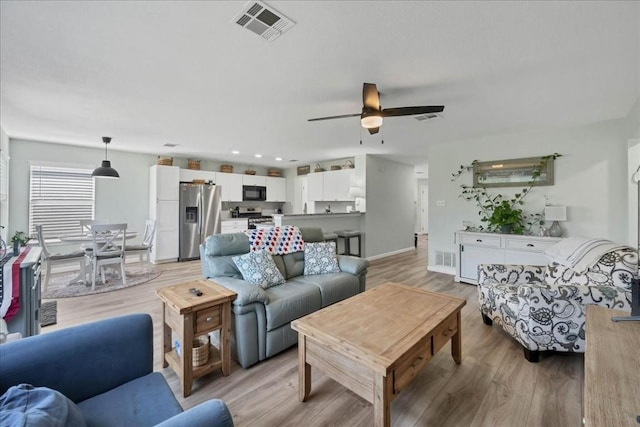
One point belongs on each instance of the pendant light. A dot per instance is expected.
(105, 170)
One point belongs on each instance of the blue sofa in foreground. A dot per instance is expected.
(103, 369)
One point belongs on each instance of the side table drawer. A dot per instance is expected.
(527, 245)
(444, 332)
(489, 241)
(208, 319)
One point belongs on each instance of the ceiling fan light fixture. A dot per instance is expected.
(105, 170)
(371, 119)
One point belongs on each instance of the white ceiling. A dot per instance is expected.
(148, 73)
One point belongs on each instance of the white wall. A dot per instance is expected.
(590, 179)
(4, 203)
(389, 221)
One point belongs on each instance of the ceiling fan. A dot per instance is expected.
(373, 114)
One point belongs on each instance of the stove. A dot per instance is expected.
(254, 216)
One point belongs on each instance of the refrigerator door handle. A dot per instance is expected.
(199, 205)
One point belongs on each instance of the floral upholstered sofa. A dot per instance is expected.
(543, 307)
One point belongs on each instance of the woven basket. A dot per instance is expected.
(165, 161)
(226, 168)
(336, 167)
(318, 168)
(193, 164)
(250, 172)
(201, 350)
(273, 172)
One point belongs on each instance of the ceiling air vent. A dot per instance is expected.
(428, 116)
(263, 20)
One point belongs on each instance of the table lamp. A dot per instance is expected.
(555, 214)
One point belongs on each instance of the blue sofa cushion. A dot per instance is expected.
(259, 269)
(320, 258)
(290, 301)
(29, 406)
(226, 244)
(145, 401)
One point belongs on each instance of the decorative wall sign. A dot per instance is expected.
(304, 170)
(513, 172)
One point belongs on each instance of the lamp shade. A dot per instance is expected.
(371, 119)
(555, 213)
(105, 170)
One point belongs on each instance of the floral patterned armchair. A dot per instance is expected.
(543, 307)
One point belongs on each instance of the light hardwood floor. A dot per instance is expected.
(494, 385)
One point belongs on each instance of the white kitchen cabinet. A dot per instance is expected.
(231, 184)
(254, 180)
(188, 175)
(276, 189)
(330, 186)
(234, 225)
(337, 184)
(491, 248)
(164, 196)
(315, 186)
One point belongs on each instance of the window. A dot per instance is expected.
(59, 197)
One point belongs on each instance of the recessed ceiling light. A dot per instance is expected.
(278, 159)
(235, 152)
(258, 155)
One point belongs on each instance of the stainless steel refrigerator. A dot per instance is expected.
(200, 210)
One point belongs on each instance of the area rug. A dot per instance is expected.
(49, 313)
(59, 286)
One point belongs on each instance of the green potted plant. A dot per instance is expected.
(20, 238)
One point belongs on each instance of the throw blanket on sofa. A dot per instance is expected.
(276, 240)
(580, 253)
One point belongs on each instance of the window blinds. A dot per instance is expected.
(59, 197)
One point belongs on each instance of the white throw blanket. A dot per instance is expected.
(580, 253)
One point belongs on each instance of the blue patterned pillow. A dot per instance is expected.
(258, 268)
(320, 258)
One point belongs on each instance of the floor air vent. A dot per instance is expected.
(445, 259)
(263, 20)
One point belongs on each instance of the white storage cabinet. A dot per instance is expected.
(276, 189)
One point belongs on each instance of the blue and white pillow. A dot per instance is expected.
(320, 258)
(258, 268)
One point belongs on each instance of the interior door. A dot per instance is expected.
(424, 209)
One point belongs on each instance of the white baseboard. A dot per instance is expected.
(387, 254)
(442, 269)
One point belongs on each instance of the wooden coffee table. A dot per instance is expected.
(376, 342)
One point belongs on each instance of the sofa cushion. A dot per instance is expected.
(294, 264)
(145, 401)
(290, 301)
(320, 258)
(226, 244)
(333, 287)
(259, 269)
(26, 405)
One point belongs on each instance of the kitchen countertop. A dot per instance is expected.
(315, 215)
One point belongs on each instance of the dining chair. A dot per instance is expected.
(147, 242)
(49, 258)
(108, 243)
(85, 225)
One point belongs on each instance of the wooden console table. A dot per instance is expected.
(611, 369)
(189, 315)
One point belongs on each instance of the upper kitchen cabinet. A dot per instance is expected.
(254, 180)
(164, 183)
(276, 189)
(330, 186)
(189, 175)
(231, 184)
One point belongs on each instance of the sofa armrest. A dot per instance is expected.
(353, 264)
(510, 273)
(82, 361)
(212, 413)
(247, 293)
(571, 300)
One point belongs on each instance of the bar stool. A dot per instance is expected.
(331, 237)
(346, 236)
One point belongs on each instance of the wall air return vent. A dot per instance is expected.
(263, 20)
(429, 116)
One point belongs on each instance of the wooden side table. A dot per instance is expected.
(189, 315)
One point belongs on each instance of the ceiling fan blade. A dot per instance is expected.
(370, 96)
(373, 131)
(334, 117)
(411, 111)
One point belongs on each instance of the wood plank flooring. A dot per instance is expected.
(494, 385)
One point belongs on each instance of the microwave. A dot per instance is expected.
(254, 193)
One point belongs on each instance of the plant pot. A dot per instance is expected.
(16, 248)
(506, 228)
